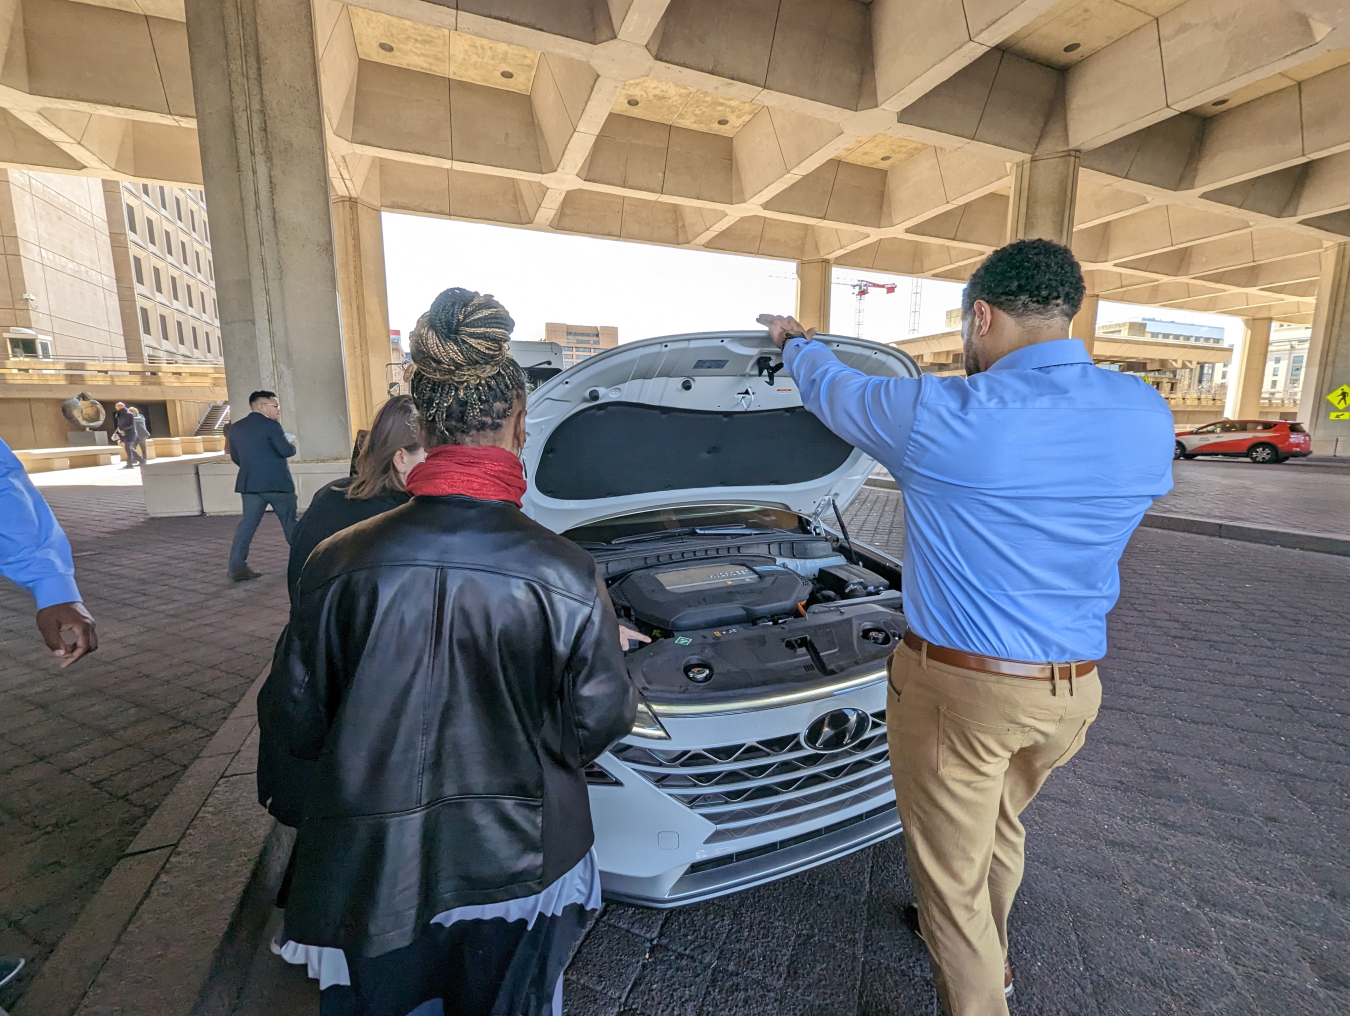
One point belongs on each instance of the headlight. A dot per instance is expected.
(647, 725)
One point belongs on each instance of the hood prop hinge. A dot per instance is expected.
(765, 365)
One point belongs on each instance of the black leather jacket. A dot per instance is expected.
(452, 667)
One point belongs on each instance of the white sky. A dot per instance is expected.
(646, 290)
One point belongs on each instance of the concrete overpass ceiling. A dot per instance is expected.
(1214, 133)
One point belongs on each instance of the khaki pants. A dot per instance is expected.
(968, 753)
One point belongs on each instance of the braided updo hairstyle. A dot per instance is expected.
(464, 381)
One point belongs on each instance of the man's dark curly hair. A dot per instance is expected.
(1028, 279)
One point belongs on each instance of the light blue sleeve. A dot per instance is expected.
(34, 552)
(875, 414)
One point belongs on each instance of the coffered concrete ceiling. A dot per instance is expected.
(1215, 134)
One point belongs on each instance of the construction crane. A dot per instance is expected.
(915, 299)
(861, 287)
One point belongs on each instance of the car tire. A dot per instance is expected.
(1263, 454)
(1179, 452)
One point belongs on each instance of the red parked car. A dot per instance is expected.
(1262, 441)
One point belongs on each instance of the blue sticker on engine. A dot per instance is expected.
(683, 641)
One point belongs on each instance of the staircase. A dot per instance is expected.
(216, 417)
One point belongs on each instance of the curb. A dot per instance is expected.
(127, 944)
(1290, 539)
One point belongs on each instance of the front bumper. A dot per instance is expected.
(808, 851)
(736, 798)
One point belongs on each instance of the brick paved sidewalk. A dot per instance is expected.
(87, 754)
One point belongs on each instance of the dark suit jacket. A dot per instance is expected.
(259, 448)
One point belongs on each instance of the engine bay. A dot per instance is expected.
(732, 612)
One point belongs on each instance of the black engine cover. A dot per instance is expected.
(706, 594)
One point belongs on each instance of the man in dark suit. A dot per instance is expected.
(260, 448)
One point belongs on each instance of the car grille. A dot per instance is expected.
(753, 787)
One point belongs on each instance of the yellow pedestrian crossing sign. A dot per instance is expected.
(1340, 398)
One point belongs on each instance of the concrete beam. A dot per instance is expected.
(814, 283)
(1044, 194)
(1328, 363)
(1249, 373)
(1195, 52)
(262, 137)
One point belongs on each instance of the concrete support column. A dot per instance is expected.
(1084, 325)
(359, 237)
(1249, 372)
(1044, 192)
(260, 127)
(1328, 363)
(813, 293)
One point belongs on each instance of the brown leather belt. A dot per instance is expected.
(996, 665)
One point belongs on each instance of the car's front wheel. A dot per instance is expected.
(1263, 454)
(1180, 452)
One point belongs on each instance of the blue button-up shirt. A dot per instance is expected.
(1021, 487)
(34, 552)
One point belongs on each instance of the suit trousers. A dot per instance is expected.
(969, 751)
(255, 506)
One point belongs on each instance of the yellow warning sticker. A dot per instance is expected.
(1340, 398)
(1340, 416)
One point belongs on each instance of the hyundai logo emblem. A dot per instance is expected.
(837, 730)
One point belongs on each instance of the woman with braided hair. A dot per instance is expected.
(453, 668)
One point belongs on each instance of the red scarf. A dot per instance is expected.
(486, 472)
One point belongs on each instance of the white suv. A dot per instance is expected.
(710, 500)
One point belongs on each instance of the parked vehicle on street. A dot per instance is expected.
(1262, 441)
(711, 502)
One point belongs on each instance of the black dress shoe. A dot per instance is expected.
(245, 575)
(912, 921)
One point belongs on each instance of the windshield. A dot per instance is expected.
(688, 517)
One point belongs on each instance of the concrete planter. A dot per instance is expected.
(216, 479)
(310, 477)
(171, 489)
(206, 486)
(192, 445)
(166, 446)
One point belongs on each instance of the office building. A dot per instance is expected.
(166, 274)
(580, 341)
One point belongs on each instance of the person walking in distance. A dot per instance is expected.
(452, 669)
(260, 448)
(142, 431)
(1022, 483)
(35, 554)
(124, 429)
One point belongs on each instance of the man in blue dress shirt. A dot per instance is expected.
(35, 554)
(1022, 483)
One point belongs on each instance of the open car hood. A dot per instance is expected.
(689, 419)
